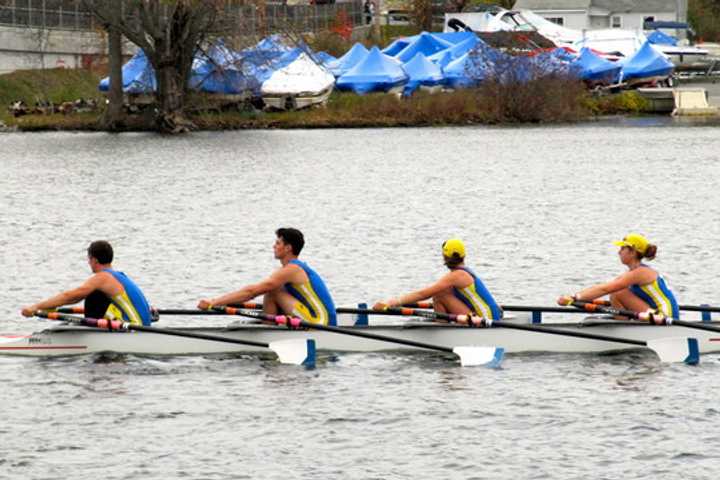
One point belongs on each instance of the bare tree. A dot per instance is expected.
(169, 31)
(114, 118)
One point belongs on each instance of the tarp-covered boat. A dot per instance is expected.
(300, 84)
(422, 73)
(426, 44)
(351, 58)
(376, 72)
(593, 69)
(138, 76)
(647, 65)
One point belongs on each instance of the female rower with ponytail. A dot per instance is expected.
(639, 289)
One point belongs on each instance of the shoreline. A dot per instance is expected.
(349, 111)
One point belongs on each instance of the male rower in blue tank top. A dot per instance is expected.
(294, 289)
(639, 289)
(107, 293)
(459, 291)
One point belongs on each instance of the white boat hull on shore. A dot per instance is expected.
(64, 340)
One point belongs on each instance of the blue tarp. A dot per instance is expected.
(564, 55)
(464, 72)
(425, 43)
(376, 72)
(455, 37)
(223, 71)
(324, 58)
(421, 71)
(138, 76)
(351, 58)
(459, 49)
(645, 63)
(592, 68)
(443, 60)
(659, 38)
(396, 47)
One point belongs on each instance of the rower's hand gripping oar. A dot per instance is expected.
(601, 306)
(469, 355)
(293, 351)
(668, 349)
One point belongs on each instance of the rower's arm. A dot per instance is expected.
(637, 276)
(443, 284)
(248, 292)
(67, 297)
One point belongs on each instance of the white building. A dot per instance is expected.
(601, 14)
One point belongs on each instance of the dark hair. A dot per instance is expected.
(293, 237)
(101, 250)
(454, 261)
(650, 252)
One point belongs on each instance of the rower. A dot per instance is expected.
(294, 289)
(107, 293)
(460, 291)
(639, 289)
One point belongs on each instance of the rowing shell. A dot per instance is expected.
(72, 340)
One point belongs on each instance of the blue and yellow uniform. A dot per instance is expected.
(478, 298)
(130, 305)
(658, 296)
(314, 305)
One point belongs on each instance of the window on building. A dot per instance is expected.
(646, 20)
(556, 20)
(616, 21)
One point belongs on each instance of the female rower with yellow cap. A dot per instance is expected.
(459, 291)
(639, 289)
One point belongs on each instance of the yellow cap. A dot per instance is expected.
(635, 241)
(453, 248)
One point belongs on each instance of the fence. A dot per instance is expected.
(264, 18)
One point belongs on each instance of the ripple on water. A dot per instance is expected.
(375, 206)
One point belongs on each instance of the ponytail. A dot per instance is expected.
(650, 252)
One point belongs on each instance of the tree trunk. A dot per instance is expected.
(170, 95)
(114, 118)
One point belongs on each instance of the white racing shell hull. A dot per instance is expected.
(70, 340)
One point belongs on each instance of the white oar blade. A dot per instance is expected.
(472, 356)
(299, 351)
(676, 349)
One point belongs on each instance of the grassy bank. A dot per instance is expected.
(54, 85)
(542, 101)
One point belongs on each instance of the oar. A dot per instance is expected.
(652, 317)
(507, 308)
(679, 349)
(170, 311)
(469, 355)
(688, 308)
(294, 351)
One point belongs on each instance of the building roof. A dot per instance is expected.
(614, 6)
(552, 4)
(642, 6)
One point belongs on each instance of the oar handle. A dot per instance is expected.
(649, 316)
(102, 323)
(409, 312)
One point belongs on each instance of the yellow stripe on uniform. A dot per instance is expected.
(661, 300)
(308, 293)
(480, 307)
(126, 306)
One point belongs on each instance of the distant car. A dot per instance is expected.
(321, 2)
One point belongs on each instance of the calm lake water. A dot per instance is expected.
(195, 216)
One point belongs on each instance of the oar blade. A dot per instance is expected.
(472, 356)
(300, 351)
(676, 349)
